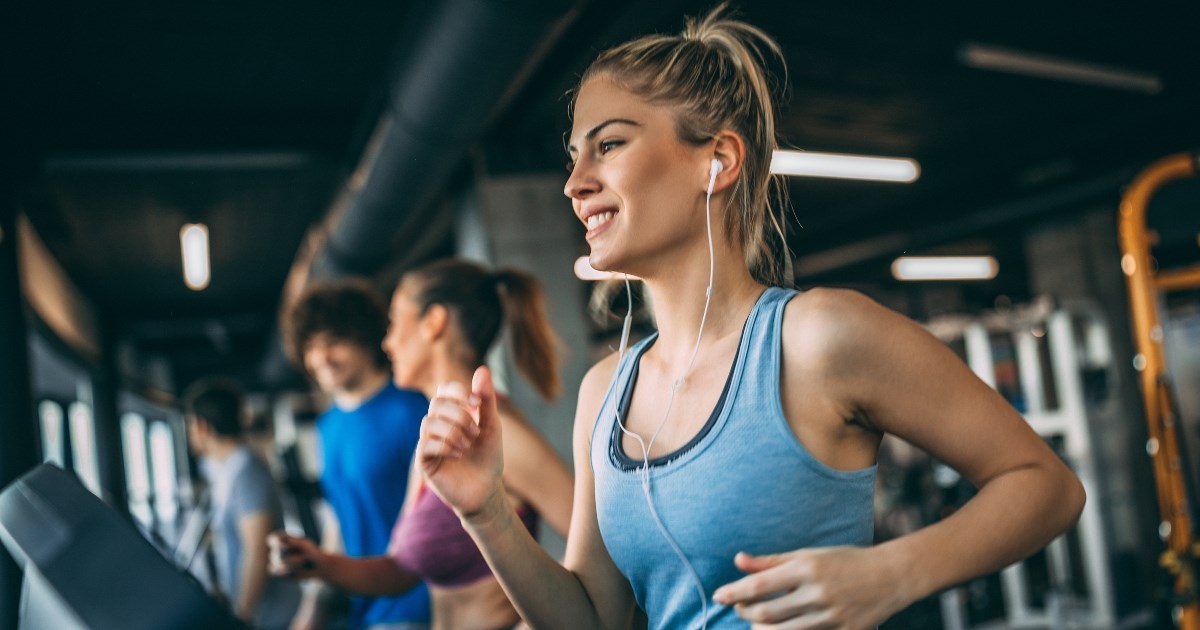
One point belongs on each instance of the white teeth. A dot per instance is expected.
(597, 220)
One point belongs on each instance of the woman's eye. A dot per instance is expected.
(570, 166)
(609, 145)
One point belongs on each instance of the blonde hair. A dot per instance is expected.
(713, 76)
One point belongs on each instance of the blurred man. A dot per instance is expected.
(245, 506)
(367, 439)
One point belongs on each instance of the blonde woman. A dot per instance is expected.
(725, 465)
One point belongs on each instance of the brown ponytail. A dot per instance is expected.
(481, 302)
(534, 344)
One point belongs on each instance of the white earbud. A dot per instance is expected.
(714, 167)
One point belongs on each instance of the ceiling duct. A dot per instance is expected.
(470, 57)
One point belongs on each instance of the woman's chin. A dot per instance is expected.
(603, 262)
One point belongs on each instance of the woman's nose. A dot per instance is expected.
(581, 183)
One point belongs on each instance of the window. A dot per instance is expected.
(137, 466)
(50, 417)
(162, 470)
(83, 446)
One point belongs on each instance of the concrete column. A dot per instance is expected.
(530, 226)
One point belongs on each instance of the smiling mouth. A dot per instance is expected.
(596, 220)
(328, 372)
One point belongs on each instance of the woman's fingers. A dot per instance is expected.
(833, 587)
(441, 436)
(768, 576)
(450, 428)
(803, 599)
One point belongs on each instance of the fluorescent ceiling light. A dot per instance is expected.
(193, 239)
(986, 57)
(945, 268)
(843, 166)
(584, 271)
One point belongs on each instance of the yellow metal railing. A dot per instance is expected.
(1146, 283)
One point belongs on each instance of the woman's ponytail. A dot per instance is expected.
(534, 344)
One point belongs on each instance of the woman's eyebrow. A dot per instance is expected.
(598, 128)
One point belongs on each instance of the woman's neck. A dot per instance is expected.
(443, 369)
(678, 301)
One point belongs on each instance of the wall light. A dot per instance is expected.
(193, 240)
(945, 268)
(845, 166)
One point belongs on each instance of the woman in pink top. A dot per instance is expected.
(443, 319)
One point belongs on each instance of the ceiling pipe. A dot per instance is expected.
(469, 59)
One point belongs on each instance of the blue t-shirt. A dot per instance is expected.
(367, 454)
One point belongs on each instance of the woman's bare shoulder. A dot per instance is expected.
(822, 323)
(827, 305)
(591, 394)
(841, 337)
(600, 374)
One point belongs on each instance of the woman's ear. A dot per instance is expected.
(729, 150)
(435, 321)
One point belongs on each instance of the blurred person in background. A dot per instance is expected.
(244, 506)
(444, 318)
(366, 443)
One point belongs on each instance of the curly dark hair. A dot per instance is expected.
(348, 309)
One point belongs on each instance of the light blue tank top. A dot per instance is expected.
(744, 483)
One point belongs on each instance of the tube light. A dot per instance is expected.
(985, 57)
(945, 268)
(845, 166)
(193, 239)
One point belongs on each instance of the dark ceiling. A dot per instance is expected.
(885, 78)
(137, 117)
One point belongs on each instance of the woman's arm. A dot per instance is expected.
(589, 592)
(300, 558)
(534, 472)
(377, 575)
(883, 372)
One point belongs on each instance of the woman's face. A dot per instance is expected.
(637, 187)
(404, 344)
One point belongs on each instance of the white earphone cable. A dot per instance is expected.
(645, 468)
